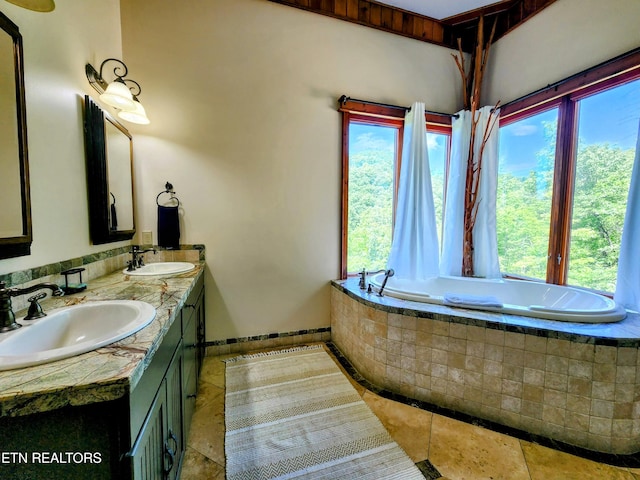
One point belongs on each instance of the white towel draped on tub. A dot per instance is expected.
(485, 301)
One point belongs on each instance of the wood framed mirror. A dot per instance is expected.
(109, 155)
(15, 214)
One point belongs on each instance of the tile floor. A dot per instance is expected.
(442, 447)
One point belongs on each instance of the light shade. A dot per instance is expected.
(35, 5)
(138, 115)
(118, 95)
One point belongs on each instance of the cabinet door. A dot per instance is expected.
(175, 414)
(148, 453)
(200, 335)
(190, 371)
(158, 450)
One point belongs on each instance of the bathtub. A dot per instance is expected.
(516, 297)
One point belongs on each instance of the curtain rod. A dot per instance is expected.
(344, 99)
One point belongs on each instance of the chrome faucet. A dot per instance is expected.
(137, 260)
(7, 317)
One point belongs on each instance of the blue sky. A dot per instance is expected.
(371, 137)
(612, 116)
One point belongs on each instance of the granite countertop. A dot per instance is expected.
(109, 372)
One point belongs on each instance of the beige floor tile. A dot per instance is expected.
(213, 371)
(207, 393)
(548, 464)
(458, 450)
(359, 388)
(198, 467)
(462, 451)
(408, 426)
(207, 426)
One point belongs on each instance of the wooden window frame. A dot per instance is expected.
(354, 111)
(565, 95)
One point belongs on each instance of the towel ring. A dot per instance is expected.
(168, 189)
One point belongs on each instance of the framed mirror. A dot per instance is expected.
(109, 152)
(15, 214)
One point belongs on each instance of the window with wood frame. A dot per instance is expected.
(566, 156)
(372, 151)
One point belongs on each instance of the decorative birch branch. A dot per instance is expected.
(471, 91)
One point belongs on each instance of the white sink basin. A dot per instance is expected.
(162, 268)
(69, 331)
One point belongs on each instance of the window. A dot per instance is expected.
(607, 133)
(523, 201)
(438, 147)
(566, 156)
(372, 150)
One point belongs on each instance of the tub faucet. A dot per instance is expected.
(7, 317)
(363, 277)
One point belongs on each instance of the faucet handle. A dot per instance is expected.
(35, 310)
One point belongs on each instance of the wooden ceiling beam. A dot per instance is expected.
(419, 27)
(376, 15)
(473, 15)
(515, 14)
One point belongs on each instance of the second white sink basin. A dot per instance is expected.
(161, 268)
(69, 331)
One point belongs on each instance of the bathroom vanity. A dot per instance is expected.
(120, 412)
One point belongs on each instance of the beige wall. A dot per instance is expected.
(57, 46)
(565, 38)
(242, 96)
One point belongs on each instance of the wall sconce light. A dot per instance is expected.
(118, 93)
(35, 5)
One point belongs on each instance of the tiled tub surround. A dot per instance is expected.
(574, 383)
(108, 372)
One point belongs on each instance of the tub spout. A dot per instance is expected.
(387, 274)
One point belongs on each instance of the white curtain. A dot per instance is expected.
(414, 249)
(628, 282)
(485, 257)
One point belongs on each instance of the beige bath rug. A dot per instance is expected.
(293, 414)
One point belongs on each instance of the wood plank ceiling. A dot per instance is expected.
(443, 32)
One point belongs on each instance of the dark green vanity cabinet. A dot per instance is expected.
(161, 435)
(140, 435)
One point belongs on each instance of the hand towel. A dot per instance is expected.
(114, 217)
(168, 227)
